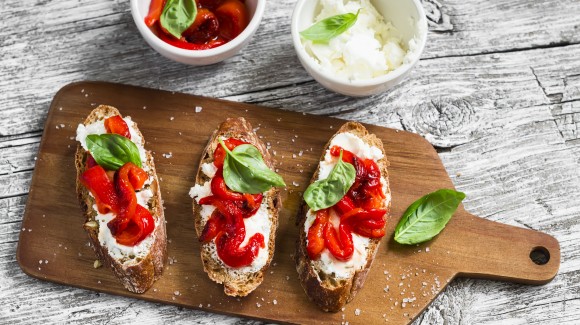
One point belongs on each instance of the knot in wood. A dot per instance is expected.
(445, 123)
(437, 19)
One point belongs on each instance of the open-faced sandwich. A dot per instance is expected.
(235, 206)
(343, 217)
(119, 194)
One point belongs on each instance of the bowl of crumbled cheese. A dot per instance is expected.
(359, 47)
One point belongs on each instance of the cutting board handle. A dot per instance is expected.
(498, 251)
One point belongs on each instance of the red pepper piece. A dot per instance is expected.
(182, 43)
(95, 179)
(91, 162)
(204, 28)
(347, 156)
(352, 214)
(155, 10)
(228, 243)
(127, 179)
(315, 244)
(344, 205)
(370, 233)
(219, 154)
(140, 226)
(233, 18)
(219, 188)
(341, 245)
(116, 124)
(209, 4)
(212, 227)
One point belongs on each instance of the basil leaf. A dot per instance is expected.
(426, 217)
(112, 151)
(330, 27)
(327, 192)
(246, 172)
(177, 16)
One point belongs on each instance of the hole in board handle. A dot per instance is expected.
(540, 255)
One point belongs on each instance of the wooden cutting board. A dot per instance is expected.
(402, 282)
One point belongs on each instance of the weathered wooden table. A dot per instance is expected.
(497, 92)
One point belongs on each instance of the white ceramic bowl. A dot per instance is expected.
(407, 16)
(140, 8)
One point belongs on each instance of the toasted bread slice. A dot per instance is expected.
(136, 267)
(327, 290)
(236, 281)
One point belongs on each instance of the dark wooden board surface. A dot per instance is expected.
(401, 284)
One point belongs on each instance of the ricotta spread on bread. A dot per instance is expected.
(327, 263)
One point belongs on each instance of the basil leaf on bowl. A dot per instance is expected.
(246, 172)
(325, 193)
(177, 16)
(112, 151)
(426, 217)
(329, 28)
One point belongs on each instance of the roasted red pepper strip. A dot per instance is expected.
(315, 244)
(344, 205)
(219, 188)
(90, 161)
(155, 10)
(181, 43)
(127, 199)
(95, 179)
(204, 28)
(233, 18)
(340, 246)
(139, 227)
(212, 227)
(116, 124)
(219, 154)
(228, 243)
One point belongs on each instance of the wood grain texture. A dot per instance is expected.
(514, 62)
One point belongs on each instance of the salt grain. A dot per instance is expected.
(275, 302)
(357, 312)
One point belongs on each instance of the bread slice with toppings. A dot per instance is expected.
(243, 280)
(328, 282)
(139, 266)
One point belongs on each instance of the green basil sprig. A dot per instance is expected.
(327, 192)
(329, 28)
(112, 151)
(246, 172)
(177, 16)
(426, 217)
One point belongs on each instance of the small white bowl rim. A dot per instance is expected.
(308, 60)
(237, 41)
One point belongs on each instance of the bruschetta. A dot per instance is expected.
(235, 205)
(119, 195)
(343, 217)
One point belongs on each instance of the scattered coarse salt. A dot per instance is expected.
(300, 153)
(176, 293)
(167, 155)
(386, 289)
(144, 107)
(293, 140)
(60, 108)
(45, 261)
(62, 125)
(427, 249)
(295, 183)
(275, 302)
(357, 312)
(40, 262)
(293, 156)
(172, 118)
(258, 305)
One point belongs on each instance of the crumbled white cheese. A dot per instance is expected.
(370, 48)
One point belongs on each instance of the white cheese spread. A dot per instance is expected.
(258, 223)
(327, 262)
(370, 48)
(128, 255)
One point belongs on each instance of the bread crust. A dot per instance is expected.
(236, 284)
(137, 274)
(328, 293)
